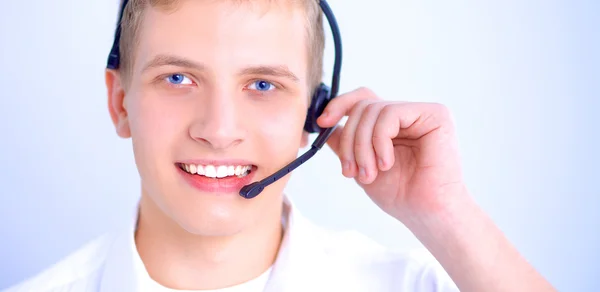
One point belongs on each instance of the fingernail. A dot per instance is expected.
(324, 114)
(381, 163)
(350, 168)
(363, 173)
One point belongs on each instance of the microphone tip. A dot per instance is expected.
(252, 190)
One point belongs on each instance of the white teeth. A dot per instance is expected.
(220, 171)
(210, 171)
(243, 173)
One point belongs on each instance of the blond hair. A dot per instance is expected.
(134, 13)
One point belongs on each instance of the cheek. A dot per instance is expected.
(153, 127)
(283, 129)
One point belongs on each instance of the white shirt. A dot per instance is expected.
(147, 284)
(310, 258)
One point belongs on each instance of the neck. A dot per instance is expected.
(179, 260)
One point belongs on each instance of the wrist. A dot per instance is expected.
(453, 233)
(451, 226)
(449, 206)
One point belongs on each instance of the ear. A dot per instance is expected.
(116, 97)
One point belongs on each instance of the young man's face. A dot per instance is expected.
(216, 83)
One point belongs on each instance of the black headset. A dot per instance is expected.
(321, 97)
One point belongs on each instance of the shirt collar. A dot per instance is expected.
(301, 262)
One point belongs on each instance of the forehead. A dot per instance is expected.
(227, 34)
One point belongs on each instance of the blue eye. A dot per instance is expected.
(178, 79)
(262, 85)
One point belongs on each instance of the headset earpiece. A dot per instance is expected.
(319, 101)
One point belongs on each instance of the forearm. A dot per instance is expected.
(473, 251)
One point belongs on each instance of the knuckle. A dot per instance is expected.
(388, 109)
(364, 102)
(441, 114)
(439, 108)
(384, 132)
(361, 105)
(372, 107)
(367, 92)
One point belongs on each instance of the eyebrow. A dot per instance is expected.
(277, 71)
(170, 60)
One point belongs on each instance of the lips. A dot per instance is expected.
(217, 177)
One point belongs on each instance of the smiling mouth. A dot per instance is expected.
(214, 171)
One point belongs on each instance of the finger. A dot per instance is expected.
(334, 143)
(341, 105)
(386, 128)
(431, 125)
(349, 166)
(364, 151)
(334, 140)
(419, 119)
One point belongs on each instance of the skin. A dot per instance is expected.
(404, 155)
(193, 240)
(189, 239)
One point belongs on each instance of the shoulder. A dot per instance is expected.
(373, 264)
(78, 271)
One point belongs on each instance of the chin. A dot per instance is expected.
(213, 218)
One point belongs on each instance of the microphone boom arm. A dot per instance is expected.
(254, 189)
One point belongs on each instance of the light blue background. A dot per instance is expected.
(521, 77)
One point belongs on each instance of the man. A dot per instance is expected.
(214, 96)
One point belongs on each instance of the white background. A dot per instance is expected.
(521, 77)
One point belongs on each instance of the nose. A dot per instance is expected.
(219, 122)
